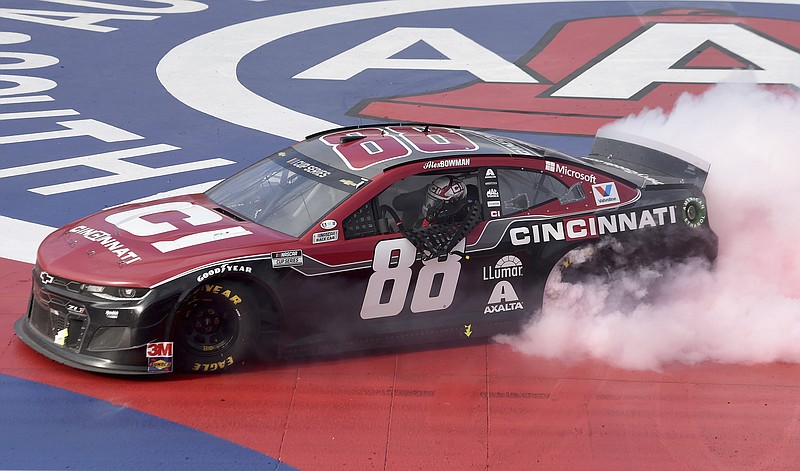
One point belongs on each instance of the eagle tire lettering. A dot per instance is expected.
(212, 367)
(215, 328)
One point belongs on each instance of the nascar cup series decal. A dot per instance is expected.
(287, 258)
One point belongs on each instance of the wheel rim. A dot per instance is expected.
(208, 327)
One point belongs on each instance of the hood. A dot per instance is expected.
(142, 244)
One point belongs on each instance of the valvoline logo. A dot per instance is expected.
(605, 193)
(590, 72)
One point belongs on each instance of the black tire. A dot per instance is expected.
(215, 328)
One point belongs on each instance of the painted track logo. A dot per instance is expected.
(592, 72)
(91, 65)
(588, 73)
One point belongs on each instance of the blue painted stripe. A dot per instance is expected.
(44, 427)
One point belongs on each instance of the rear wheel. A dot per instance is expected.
(215, 329)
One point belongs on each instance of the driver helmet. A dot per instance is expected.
(445, 197)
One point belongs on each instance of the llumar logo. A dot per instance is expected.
(507, 267)
(590, 72)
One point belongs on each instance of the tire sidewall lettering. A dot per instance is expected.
(223, 291)
(234, 306)
(214, 366)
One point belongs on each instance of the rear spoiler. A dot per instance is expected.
(652, 161)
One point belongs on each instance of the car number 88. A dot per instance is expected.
(399, 274)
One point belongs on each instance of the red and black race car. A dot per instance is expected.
(356, 238)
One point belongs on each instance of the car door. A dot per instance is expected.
(540, 212)
(370, 283)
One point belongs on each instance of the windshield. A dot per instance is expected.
(287, 192)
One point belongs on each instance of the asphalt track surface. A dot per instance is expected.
(149, 79)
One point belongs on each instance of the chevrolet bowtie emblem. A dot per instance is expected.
(46, 277)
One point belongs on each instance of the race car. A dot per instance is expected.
(358, 238)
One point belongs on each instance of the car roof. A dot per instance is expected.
(369, 150)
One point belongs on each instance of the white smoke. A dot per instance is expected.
(744, 310)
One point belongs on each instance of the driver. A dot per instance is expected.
(445, 202)
(448, 215)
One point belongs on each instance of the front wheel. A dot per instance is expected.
(215, 328)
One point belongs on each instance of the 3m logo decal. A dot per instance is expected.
(159, 349)
(598, 70)
(159, 357)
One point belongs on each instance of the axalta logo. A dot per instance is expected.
(503, 299)
(587, 227)
(560, 169)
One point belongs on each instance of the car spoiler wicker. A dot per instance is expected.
(653, 161)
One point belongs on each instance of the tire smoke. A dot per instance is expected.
(746, 309)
